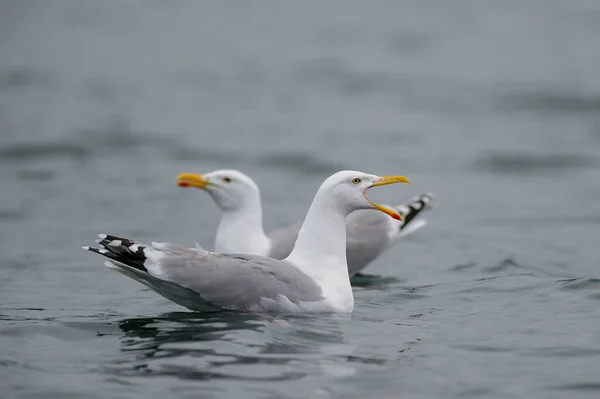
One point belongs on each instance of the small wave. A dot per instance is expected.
(364, 360)
(209, 155)
(11, 215)
(83, 144)
(550, 102)
(594, 296)
(580, 386)
(339, 76)
(483, 348)
(504, 265)
(522, 162)
(21, 262)
(36, 175)
(20, 78)
(293, 161)
(29, 151)
(116, 135)
(511, 267)
(399, 295)
(591, 284)
(476, 393)
(300, 162)
(463, 266)
(487, 289)
(563, 351)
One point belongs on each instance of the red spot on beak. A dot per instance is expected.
(183, 184)
(396, 216)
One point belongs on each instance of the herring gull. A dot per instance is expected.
(369, 234)
(313, 278)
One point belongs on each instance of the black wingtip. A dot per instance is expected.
(417, 205)
(121, 250)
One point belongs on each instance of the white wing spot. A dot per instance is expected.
(103, 251)
(115, 243)
(134, 248)
(103, 236)
(85, 247)
(402, 209)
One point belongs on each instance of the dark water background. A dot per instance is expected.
(494, 106)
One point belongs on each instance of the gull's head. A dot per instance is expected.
(349, 190)
(231, 189)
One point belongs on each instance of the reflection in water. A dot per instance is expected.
(183, 326)
(372, 280)
(201, 346)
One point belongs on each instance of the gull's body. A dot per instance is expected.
(313, 278)
(368, 233)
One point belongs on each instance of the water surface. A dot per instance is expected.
(492, 106)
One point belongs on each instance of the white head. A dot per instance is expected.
(346, 190)
(320, 250)
(231, 189)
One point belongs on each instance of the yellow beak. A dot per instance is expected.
(192, 180)
(383, 181)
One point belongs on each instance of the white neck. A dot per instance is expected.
(320, 250)
(241, 231)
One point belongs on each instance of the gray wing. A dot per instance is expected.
(369, 233)
(367, 237)
(235, 282)
(283, 241)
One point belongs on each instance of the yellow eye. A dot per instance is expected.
(227, 179)
(356, 180)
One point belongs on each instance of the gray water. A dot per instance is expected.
(494, 106)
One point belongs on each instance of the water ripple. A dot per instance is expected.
(36, 150)
(36, 175)
(580, 386)
(522, 162)
(224, 346)
(20, 78)
(551, 102)
(592, 284)
(563, 351)
(483, 348)
(292, 162)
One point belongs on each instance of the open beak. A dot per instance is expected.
(383, 181)
(192, 180)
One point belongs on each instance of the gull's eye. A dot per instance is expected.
(356, 180)
(227, 179)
